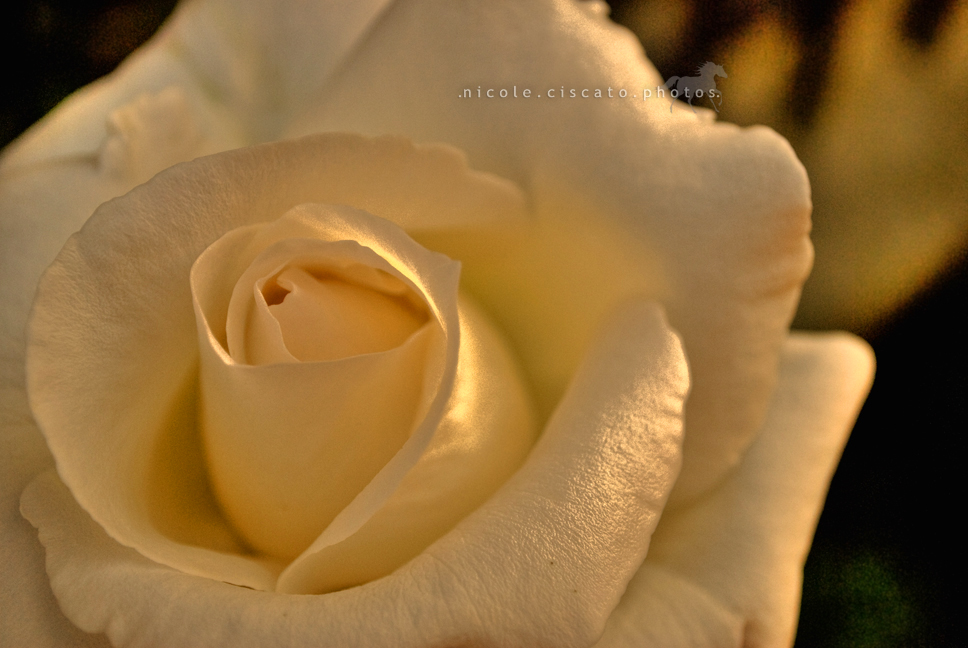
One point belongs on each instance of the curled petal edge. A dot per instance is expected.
(727, 570)
(92, 309)
(567, 532)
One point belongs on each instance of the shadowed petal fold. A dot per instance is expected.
(113, 354)
(542, 563)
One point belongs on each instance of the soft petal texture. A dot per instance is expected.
(481, 440)
(708, 218)
(244, 64)
(478, 439)
(29, 614)
(542, 563)
(726, 571)
(46, 194)
(101, 142)
(732, 204)
(597, 155)
(103, 303)
(289, 445)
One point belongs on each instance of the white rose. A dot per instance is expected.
(624, 201)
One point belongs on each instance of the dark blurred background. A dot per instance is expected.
(885, 570)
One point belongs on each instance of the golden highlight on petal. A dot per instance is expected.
(543, 562)
(288, 417)
(192, 436)
(721, 214)
(244, 420)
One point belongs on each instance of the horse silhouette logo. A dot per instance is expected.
(697, 87)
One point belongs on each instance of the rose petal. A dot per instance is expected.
(264, 465)
(257, 59)
(483, 436)
(631, 199)
(104, 302)
(542, 563)
(481, 439)
(42, 203)
(48, 188)
(352, 310)
(727, 571)
(29, 615)
(45, 201)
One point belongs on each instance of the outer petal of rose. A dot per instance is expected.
(41, 204)
(101, 304)
(45, 201)
(542, 563)
(29, 615)
(727, 570)
(250, 63)
(710, 219)
(114, 134)
(182, 96)
(630, 198)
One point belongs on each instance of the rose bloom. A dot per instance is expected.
(292, 391)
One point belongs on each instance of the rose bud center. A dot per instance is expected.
(328, 362)
(325, 316)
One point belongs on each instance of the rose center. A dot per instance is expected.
(324, 316)
(334, 353)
